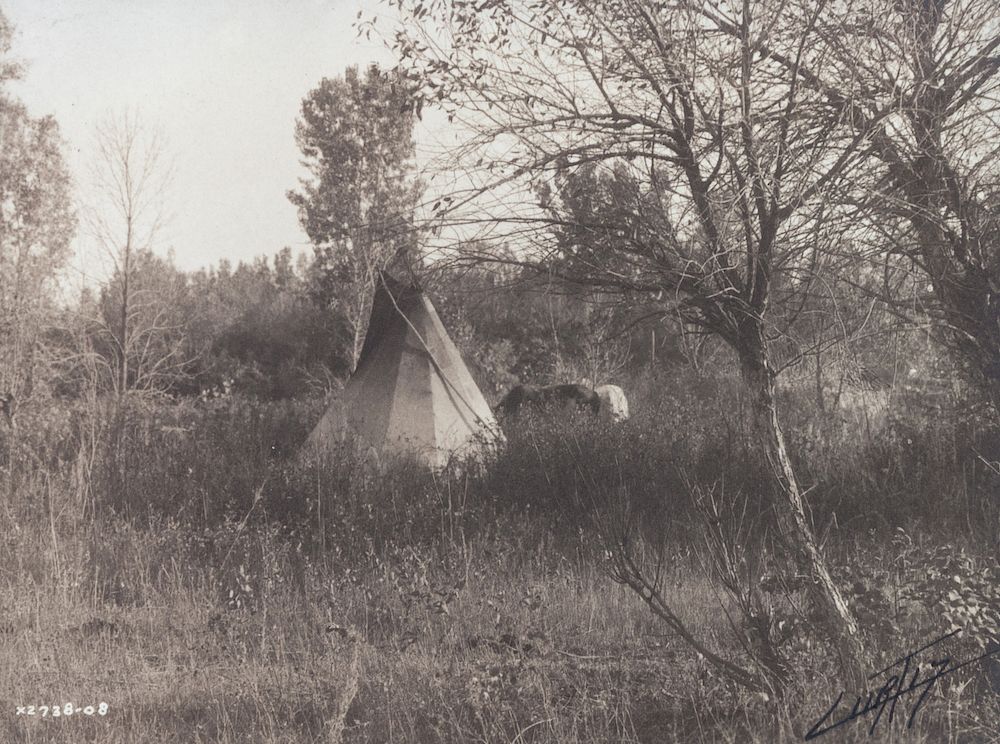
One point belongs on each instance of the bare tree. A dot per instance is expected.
(940, 204)
(130, 178)
(633, 147)
(919, 80)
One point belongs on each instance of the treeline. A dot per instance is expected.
(616, 286)
(265, 329)
(276, 327)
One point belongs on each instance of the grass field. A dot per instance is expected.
(459, 608)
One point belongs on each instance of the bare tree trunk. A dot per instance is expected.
(790, 515)
(820, 397)
(994, 390)
(129, 184)
(124, 344)
(357, 322)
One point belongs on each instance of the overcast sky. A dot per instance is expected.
(222, 79)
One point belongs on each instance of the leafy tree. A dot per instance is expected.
(36, 226)
(356, 138)
(515, 326)
(257, 328)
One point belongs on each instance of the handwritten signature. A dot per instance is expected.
(885, 698)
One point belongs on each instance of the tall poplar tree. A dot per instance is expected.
(356, 137)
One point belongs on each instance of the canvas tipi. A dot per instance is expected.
(411, 394)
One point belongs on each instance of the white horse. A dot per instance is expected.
(614, 404)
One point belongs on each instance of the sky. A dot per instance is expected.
(221, 79)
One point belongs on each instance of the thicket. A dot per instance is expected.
(231, 460)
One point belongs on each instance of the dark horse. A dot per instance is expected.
(531, 396)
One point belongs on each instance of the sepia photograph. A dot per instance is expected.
(499, 371)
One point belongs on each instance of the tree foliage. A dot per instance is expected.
(356, 138)
(37, 224)
(258, 331)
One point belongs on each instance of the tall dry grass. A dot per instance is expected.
(181, 564)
